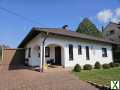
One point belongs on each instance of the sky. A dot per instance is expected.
(53, 14)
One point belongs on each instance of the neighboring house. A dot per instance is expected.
(112, 32)
(65, 48)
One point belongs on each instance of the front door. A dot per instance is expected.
(58, 55)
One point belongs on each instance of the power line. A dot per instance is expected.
(18, 15)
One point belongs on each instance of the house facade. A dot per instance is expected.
(112, 32)
(65, 48)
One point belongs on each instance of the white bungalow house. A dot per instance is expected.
(66, 48)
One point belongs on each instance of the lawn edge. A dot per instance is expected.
(101, 87)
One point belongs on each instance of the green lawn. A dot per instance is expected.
(102, 77)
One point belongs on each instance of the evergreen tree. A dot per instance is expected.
(87, 27)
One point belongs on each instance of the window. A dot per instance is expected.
(39, 48)
(112, 32)
(87, 53)
(38, 51)
(79, 49)
(47, 52)
(38, 54)
(104, 52)
(118, 27)
(70, 52)
(119, 37)
(29, 52)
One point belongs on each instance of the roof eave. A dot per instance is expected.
(34, 32)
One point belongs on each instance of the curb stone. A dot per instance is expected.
(101, 87)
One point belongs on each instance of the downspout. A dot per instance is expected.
(43, 51)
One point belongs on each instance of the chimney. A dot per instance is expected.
(65, 27)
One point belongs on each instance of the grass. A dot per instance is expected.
(103, 76)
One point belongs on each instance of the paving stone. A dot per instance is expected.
(25, 79)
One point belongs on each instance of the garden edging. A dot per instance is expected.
(101, 87)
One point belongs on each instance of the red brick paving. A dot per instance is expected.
(31, 80)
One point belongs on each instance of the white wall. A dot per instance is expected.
(34, 60)
(95, 51)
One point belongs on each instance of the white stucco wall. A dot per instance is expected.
(34, 60)
(63, 42)
(95, 53)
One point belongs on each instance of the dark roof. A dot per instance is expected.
(63, 32)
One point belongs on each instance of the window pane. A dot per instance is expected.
(39, 54)
(79, 50)
(47, 51)
(29, 52)
(70, 52)
(87, 53)
(112, 32)
(104, 52)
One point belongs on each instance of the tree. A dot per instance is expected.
(87, 27)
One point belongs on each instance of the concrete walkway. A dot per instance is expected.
(31, 80)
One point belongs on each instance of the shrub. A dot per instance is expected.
(116, 64)
(87, 67)
(106, 66)
(77, 68)
(97, 65)
(111, 64)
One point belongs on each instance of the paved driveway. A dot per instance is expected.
(31, 80)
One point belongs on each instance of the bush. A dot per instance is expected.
(114, 64)
(106, 66)
(97, 65)
(87, 67)
(77, 68)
